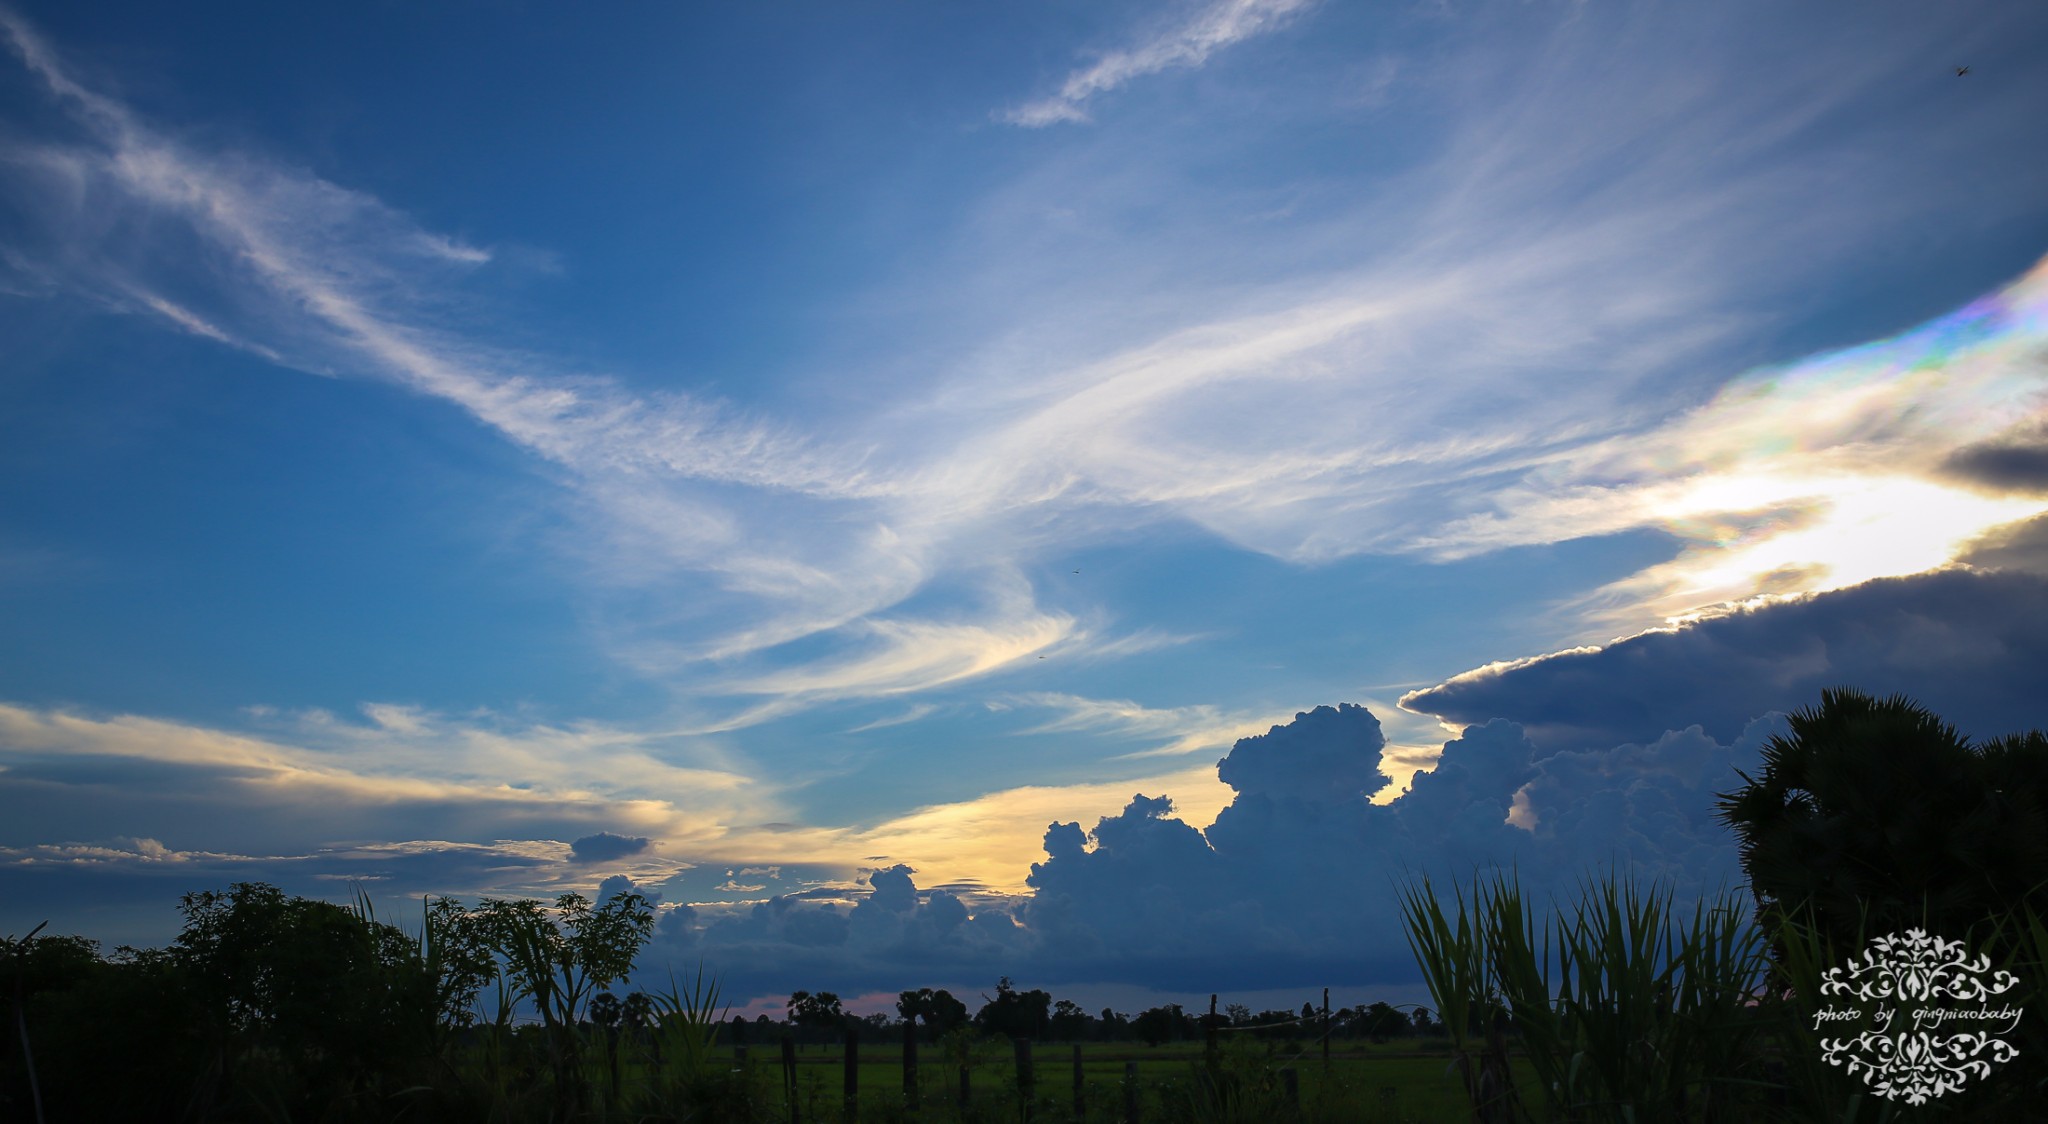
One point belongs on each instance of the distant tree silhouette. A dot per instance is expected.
(820, 1011)
(1113, 1025)
(1016, 1014)
(1379, 1022)
(1877, 805)
(937, 1010)
(637, 1012)
(315, 987)
(139, 1007)
(1158, 1025)
(1070, 1021)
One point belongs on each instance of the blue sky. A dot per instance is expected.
(741, 449)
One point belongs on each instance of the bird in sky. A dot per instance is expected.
(1962, 70)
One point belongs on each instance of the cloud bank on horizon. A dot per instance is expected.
(1463, 364)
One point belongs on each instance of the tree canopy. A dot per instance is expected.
(1874, 814)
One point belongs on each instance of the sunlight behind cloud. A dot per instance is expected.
(993, 839)
(1812, 477)
(1852, 531)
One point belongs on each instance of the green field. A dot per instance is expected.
(1400, 1081)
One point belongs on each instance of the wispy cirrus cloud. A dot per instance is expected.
(308, 773)
(1179, 730)
(1186, 44)
(1515, 310)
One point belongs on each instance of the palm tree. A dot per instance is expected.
(1875, 815)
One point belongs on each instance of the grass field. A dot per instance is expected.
(1407, 1082)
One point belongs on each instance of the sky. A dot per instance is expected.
(1097, 493)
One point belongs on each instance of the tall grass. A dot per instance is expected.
(1626, 1012)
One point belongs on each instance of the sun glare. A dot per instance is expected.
(1761, 536)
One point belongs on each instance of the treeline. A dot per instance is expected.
(1036, 1015)
(267, 1006)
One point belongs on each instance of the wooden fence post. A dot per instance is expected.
(789, 1079)
(965, 1092)
(852, 1113)
(1130, 1093)
(1027, 1083)
(910, 1065)
(1211, 1069)
(1326, 1031)
(1080, 1089)
(1292, 1084)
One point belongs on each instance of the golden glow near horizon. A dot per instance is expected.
(994, 839)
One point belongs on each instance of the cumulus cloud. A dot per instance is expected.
(1967, 645)
(1152, 896)
(605, 846)
(1323, 757)
(620, 884)
(1292, 884)
(882, 934)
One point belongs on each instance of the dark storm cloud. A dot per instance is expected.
(620, 884)
(605, 846)
(1972, 647)
(2006, 466)
(2016, 546)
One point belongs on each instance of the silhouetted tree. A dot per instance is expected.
(81, 1010)
(821, 1011)
(1114, 1026)
(1878, 805)
(1070, 1023)
(1379, 1022)
(1162, 1024)
(1017, 1014)
(937, 1010)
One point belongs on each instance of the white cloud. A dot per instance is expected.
(1188, 44)
(917, 713)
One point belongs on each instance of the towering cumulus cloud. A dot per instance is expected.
(1295, 880)
(1293, 884)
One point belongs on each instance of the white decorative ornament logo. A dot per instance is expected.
(1935, 975)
